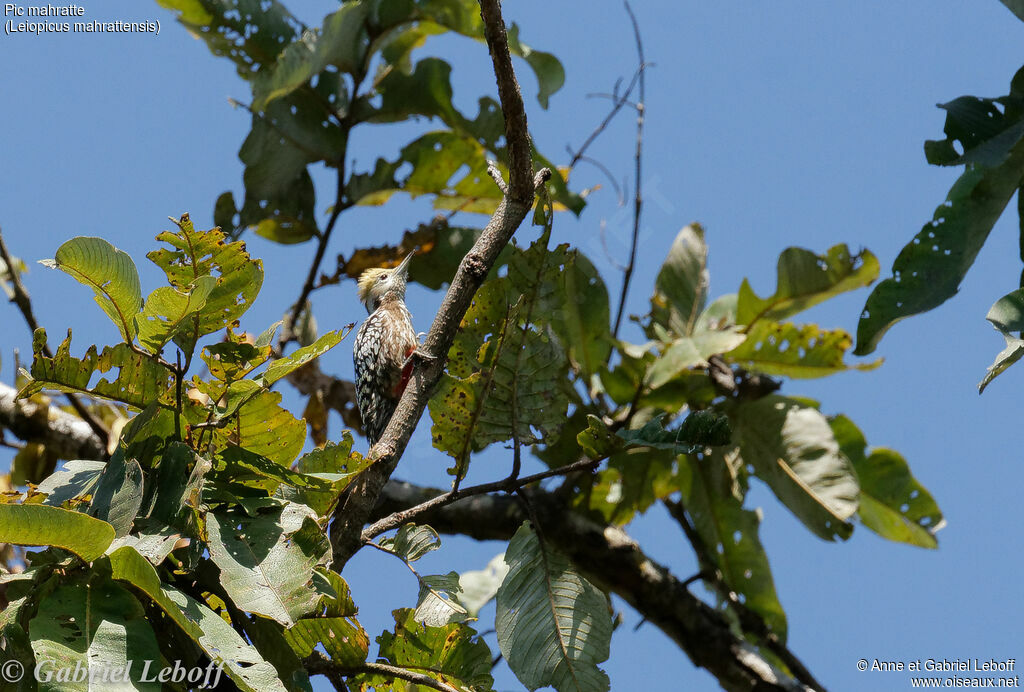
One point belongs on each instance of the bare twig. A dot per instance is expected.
(355, 510)
(618, 101)
(319, 664)
(340, 205)
(510, 484)
(638, 193)
(24, 304)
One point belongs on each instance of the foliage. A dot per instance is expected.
(986, 137)
(208, 523)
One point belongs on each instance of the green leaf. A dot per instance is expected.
(282, 367)
(75, 479)
(1015, 6)
(168, 312)
(250, 33)
(730, 534)
(45, 525)
(438, 603)
(479, 587)
(335, 464)
(793, 450)
(699, 429)
(893, 503)
(138, 383)
(929, 269)
(96, 627)
(453, 654)
(688, 352)
(504, 377)
(194, 254)
(412, 542)
(596, 440)
(264, 428)
(806, 279)
(797, 351)
(553, 625)
(118, 495)
(266, 562)
(110, 273)
(242, 662)
(155, 546)
(633, 480)
(681, 288)
(341, 635)
(1006, 315)
(581, 321)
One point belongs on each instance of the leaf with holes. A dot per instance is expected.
(267, 562)
(804, 280)
(169, 314)
(1006, 315)
(96, 627)
(681, 288)
(553, 625)
(241, 661)
(893, 503)
(453, 655)
(438, 603)
(337, 629)
(110, 273)
(248, 32)
(797, 351)
(83, 535)
(793, 450)
(412, 542)
(138, 383)
(194, 254)
(929, 269)
(730, 534)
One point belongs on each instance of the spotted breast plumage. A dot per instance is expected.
(384, 343)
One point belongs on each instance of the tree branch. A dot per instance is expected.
(613, 560)
(67, 436)
(24, 304)
(319, 664)
(355, 509)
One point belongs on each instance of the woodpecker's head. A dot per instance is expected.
(376, 283)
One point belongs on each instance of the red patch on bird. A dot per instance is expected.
(406, 373)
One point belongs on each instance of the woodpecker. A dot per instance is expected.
(384, 346)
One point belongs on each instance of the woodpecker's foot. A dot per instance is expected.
(420, 354)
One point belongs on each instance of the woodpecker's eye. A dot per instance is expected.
(383, 277)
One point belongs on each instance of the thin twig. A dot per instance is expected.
(319, 664)
(510, 484)
(340, 205)
(618, 101)
(638, 193)
(24, 304)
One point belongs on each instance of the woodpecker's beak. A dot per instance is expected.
(403, 268)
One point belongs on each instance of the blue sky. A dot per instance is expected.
(773, 124)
